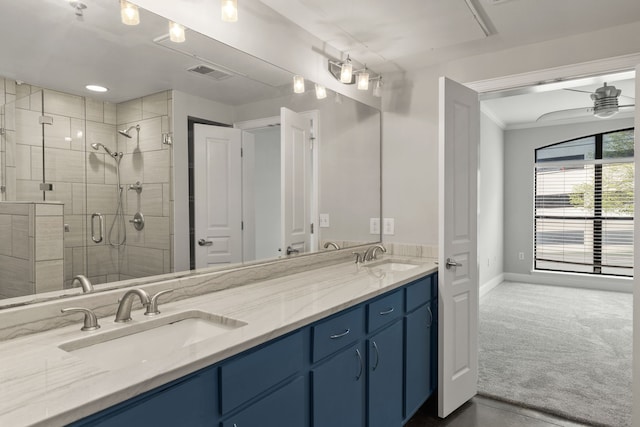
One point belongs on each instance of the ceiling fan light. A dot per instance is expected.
(605, 113)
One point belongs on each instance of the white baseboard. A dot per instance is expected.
(573, 280)
(486, 287)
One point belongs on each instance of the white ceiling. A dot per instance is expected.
(407, 35)
(412, 34)
(43, 43)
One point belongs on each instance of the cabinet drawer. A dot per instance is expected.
(337, 332)
(384, 310)
(419, 293)
(253, 373)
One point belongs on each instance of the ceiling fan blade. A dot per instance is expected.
(565, 114)
(578, 90)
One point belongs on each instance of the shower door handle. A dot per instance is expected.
(100, 226)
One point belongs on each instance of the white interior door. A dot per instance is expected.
(458, 269)
(296, 181)
(248, 196)
(218, 195)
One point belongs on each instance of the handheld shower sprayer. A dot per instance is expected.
(125, 132)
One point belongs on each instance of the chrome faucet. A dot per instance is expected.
(371, 252)
(84, 283)
(124, 309)
(335, 245)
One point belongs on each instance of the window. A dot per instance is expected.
(583, 218)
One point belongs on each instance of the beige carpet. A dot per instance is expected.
(561, 350)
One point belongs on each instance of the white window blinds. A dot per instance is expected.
(584, 205)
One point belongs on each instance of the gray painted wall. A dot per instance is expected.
(490, 201)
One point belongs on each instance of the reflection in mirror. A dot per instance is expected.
(223, 162)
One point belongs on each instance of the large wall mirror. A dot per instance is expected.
(197, 156)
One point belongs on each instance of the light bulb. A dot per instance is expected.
(230, 10)
(346, 72)
(298, 84)
(321, 91)
(362, 79)
(129, 13)
(176, 32)
(377, 88)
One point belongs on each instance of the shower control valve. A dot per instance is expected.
(137, 187)
(137, 221)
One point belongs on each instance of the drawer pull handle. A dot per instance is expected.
(361, 364)
(389, 311)
(430, 316)
(375, 347)
(346, 332)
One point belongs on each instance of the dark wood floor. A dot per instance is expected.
(484, 412)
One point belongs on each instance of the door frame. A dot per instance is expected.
(313, 115)
(571, 72)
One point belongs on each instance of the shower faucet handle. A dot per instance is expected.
(137, 187)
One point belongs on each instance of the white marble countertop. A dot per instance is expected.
(41, 384)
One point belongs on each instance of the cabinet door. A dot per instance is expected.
(338, 389)
(418, 381)
(282, 408)
(190, 402)
(385, 377)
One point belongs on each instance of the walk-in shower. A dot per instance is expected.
(118, 224)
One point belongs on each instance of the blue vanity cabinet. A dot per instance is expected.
(189, 401)
(385, 363)
(371, 365)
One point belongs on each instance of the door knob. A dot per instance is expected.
(290, 251)
(452, 263)
(203, 242)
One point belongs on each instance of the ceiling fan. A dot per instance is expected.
(605, 105)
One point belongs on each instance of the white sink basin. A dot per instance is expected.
(391, 265)
(137, 343)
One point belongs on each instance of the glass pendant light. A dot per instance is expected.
(129, 13)
(298, 84)
(346, 72)
(230, 10)
(377, 88)
(362, 79)
(321, 91)
(176, 32)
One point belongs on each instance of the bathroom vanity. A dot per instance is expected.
(340, 345)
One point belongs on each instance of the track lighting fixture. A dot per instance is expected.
(343, 72)
(362, 79)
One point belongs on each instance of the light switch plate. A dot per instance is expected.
(324, 220)
(389, 226)
(374, 225)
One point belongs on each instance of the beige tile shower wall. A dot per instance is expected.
(148, 161)
(31, 252)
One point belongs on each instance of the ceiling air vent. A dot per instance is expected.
(205, 70)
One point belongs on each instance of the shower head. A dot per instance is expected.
(96, 146)
(126, 132)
